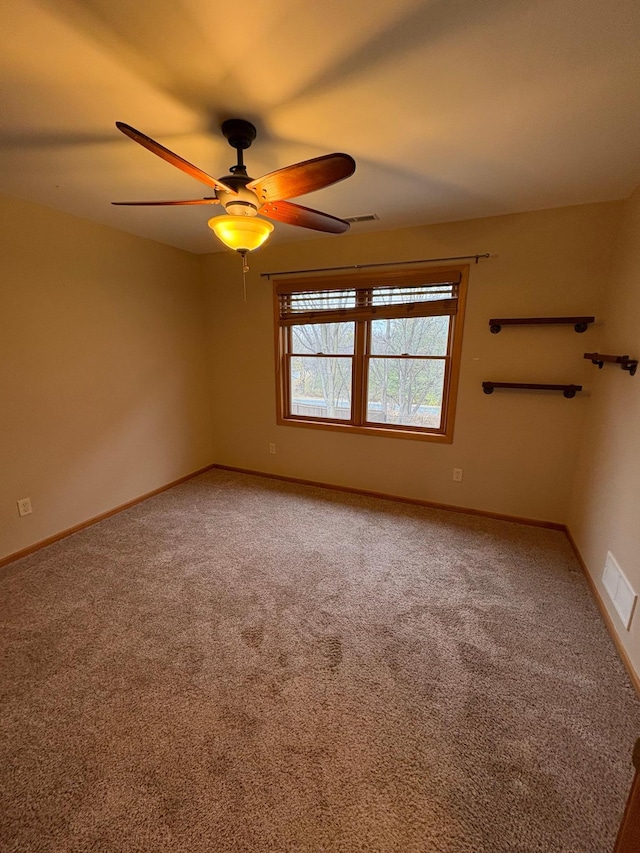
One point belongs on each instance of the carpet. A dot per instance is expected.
(248, 665)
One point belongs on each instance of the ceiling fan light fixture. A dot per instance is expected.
(241, 233)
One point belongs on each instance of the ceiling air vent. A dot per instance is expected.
(366, 217)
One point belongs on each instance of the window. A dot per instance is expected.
(371, 352)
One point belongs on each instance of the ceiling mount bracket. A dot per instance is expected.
(239, 133)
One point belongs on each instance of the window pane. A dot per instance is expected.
(321, 387)
(405, 391)
(328, 338)
(410, 335)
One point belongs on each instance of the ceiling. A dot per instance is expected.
(452, 109)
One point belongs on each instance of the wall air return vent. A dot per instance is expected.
(622, 594)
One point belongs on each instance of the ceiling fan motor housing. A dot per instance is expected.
(245, 203)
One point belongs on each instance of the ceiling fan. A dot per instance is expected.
(243, 196)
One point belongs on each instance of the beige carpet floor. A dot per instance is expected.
(241, 664)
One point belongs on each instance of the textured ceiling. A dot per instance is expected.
(453, 109)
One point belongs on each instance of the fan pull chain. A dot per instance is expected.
(245, 270)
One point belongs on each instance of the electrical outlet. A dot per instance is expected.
(457, 475)
(272, 448)
(24, 506)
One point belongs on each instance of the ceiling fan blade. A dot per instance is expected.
(303, 177)
(187, 201)
(170, 157)
(295, 214)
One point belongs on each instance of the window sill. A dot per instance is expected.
(387, 432)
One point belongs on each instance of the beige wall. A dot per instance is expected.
(107, 392)
(605, 509)
(102, 376)
(518, 450)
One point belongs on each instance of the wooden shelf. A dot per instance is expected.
(568, 390)
(626, 363)
(580, 324)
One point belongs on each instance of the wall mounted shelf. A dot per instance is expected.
(624, 361)
(568, 390)
(580, 324)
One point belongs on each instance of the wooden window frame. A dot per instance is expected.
(361, 316)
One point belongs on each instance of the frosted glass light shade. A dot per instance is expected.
(241, 233)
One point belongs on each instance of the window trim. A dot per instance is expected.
(362, 355)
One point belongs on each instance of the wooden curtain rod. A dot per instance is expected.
(368, 266)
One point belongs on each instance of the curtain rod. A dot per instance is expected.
(368, 266)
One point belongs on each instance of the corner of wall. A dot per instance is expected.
(603, 514)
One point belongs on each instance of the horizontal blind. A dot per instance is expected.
(368, 297)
